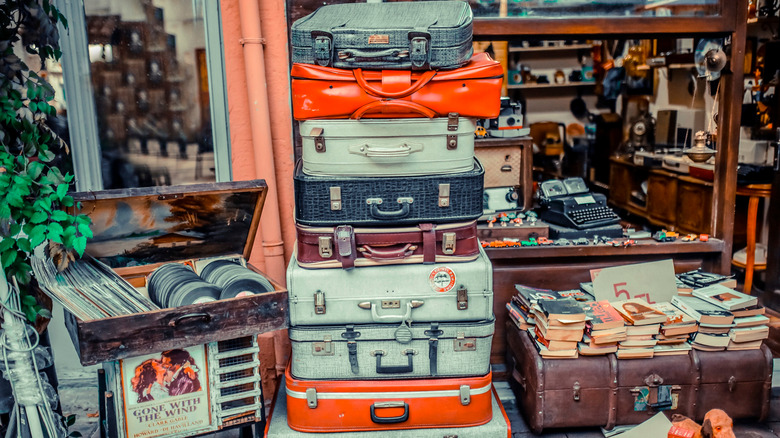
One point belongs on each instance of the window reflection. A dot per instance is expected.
(594, 8)
(149, 80)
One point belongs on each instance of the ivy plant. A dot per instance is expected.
(34, 201)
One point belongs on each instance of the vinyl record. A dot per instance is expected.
(169, 282)
(235, 280)
(246, 286)
(195, 292)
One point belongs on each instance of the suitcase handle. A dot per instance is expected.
(419, 83)
(387, 420)
(394, 369)
(376, 213)
(401, 150)
(404, 105)
(376, 317)
(387, 254)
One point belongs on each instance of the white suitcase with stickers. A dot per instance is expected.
(437, 292)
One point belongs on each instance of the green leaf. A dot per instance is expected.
(5, 211)
(46, 156)
(14, 198)
(6, 243)
(29, 300)
(37, 235)
(33, 106)
(45, 313)
(34, 169)
(24, 244)
(38, 217)
(67, 201)
(9, 256)
(59, 215)
(55, 227)
(62, 190)
(85, 231)
(80, 244)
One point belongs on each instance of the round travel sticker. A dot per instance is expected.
(442, 279)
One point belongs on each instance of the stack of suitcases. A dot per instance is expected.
(390, 292)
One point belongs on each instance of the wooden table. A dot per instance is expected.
(565, 267)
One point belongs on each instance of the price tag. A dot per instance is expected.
(653, 282)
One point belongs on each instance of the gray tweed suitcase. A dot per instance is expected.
(497, 427)
(388, 147)
(439, 292)
(391, 351)
(396, 35)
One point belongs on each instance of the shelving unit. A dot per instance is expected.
(541, 86)
(550, 48)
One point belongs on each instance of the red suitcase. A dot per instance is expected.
(363, 405)
(347, 247)
(473, 90)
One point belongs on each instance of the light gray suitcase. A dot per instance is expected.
(439, 292)
(391, 351)
(388, 147)
(497, 427)
(403, 35)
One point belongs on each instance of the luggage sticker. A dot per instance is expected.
(442, 279)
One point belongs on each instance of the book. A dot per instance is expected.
(565, 309)
(635, 353)
(672, 341)
(601, 315)
(529, 296)
(563, 323)
(587, 287)
(701, 347)
(639, 312)
(674, 316)
(682, 288)
(603, 343)
(710, 339)
(680, 432)
(554, 344)
(635, 330)
(750, 345)
(577, 294)
(677, 330)
(550, 354)
(520, 324)
(702, 311)
(559, 333)
(748, 334)
(698, 279)
(725, 298)
(751, 321)
(594, 350)
(714, 330)
(671, 349)
(635, 343)
(749, 311)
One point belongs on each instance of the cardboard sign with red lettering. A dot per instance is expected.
(653, 282)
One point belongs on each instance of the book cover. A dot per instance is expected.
(749, 311)
(671, 349)
(702, 311)
(749, 333)
(698, 279)
(677, 330)
(593, 350)
(553, 344)
(166, 393)
(549, 354)
(649, 329)
(565, 309)
(674, 316)
(751, 321)
(529, 295)
(639, 312)
(750, 345)
(725, 298)
(635, 353)
(711, 339)
(601, 315)
(559, 334)
(635, 343)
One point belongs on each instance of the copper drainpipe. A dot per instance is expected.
(259, 118)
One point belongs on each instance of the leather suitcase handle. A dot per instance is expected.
(376, 213)
(376, 317)
(419, 83)
(403, 105)
(387, 254)
(394, 369)
(388, 420)
(399, 150)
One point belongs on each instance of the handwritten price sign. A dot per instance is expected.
(653, 282)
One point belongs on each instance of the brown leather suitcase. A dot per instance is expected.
(604, 391)
(347, 247)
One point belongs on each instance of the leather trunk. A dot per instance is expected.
(388, 147)
(498, 427)
(388, 201)
(604, 391)
(440, 292)
(473, 90)
(363, 405)
(387, 351)
(348, 247)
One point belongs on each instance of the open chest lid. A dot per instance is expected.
(152, 225)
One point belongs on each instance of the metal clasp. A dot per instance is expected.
(463, 298)
(311, 397)
(335, 198)
(448, 243)
(444, 195)
(325, 244)
(465, 395)
(576, 388)
(319, 303)
(452, 126)
(319, 139)
(324, 348)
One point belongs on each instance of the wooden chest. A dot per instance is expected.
(138, 230)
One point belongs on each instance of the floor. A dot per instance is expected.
(79, 397)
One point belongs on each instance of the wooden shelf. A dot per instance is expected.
(642, 247)
(550, 48)
(543, 86)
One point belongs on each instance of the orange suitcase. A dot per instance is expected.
(473, 90)
(363, 405)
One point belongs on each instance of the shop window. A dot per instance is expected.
(145, 93)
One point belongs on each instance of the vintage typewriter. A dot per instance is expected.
(570, 204)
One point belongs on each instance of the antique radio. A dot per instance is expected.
(185, 391)
(139, 230)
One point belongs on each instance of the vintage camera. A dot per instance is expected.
(509, 122)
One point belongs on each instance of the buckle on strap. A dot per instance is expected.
(419, 49)
(344, 236)
(322, 47)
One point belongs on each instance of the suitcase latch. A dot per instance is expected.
(462, 343)
(324, 348)
(465, 395)
(732, 383)
(311, 397)
(335, 198)
(463, 298)
(444, 195)
(323, 47)
(319, 303)
(576, 390)
(452, 126)
(319, 139)
(419, 53)
(448, 243)
(326, 247)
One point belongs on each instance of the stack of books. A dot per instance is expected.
(675, 331)
(714, 323)
(749, 326)
(522, 305)
(604, 328)
(559, 327)
(643, 324)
